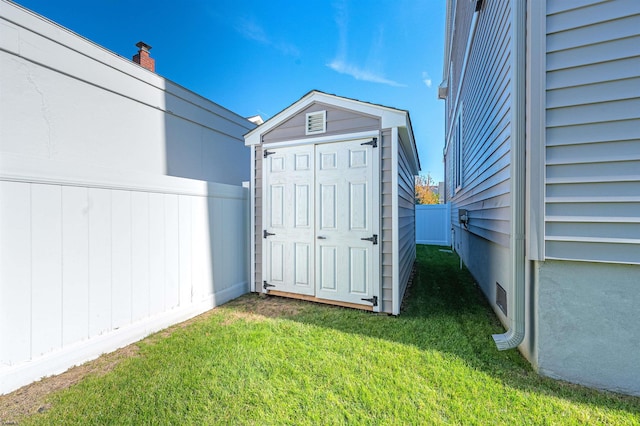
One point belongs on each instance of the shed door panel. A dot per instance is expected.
(344, 265)
(318, 207)
(288, 215)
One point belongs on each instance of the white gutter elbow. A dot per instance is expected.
(509, 340)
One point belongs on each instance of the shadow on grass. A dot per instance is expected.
(444, 311)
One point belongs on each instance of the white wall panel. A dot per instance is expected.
(201, 249)
(172, 252)
(99, 261)
(218, 232)
(433, 224)
(157, 264)
(121, 258)
(75, 264)
(185, 243)
(46, 268)
(140, 246)
(15, 272)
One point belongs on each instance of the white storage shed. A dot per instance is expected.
(332, 189)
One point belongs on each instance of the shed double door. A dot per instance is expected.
(321, 223)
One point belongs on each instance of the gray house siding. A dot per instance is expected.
(484, 116)
(587, 297)
(593, 131)
(461, 27)
(582, 185)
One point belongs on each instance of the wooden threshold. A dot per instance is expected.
(318, 300)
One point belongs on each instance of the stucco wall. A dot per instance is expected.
(589, 324)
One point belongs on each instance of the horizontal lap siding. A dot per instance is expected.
(461, 27)
(593, 132)
(339, 121)
(486, 129)
(406, 221)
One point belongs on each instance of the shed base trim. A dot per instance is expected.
(319, 300)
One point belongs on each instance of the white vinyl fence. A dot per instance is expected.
(87, 267)
(433, 224)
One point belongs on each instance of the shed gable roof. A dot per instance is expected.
(389, 118)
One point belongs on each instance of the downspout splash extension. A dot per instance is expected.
(515, 335)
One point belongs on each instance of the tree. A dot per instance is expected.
(426, 191)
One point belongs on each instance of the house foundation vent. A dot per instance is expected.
(501, 298)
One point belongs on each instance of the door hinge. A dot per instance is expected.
(373, 142)
(266, 234)
(373, 239)
(268, 153)
(373, 300)
(266, 285)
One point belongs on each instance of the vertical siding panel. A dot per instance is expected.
(237, 228)
(46, 273)
(186, 282)
(121, 256)
(218, 249)
(140, 255)
(200, 250)
(172, 252)
(75, 264)
(157, 275)
(15, 272)
(99, 261)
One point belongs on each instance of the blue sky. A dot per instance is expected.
(258, 57)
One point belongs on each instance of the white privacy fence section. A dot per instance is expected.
(93, 261)
(433, 224)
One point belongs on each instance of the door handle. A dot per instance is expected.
(321, 237)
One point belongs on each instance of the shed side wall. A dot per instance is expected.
(406, 221)
(593, 132)
(258, 217)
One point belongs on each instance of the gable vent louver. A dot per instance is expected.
(316, 122)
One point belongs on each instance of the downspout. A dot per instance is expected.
(515, 334)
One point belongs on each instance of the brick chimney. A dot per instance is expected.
(142, 57)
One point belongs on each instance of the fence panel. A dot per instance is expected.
(433, 224)
(89, 266)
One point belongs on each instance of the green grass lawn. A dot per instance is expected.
(265, 361)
